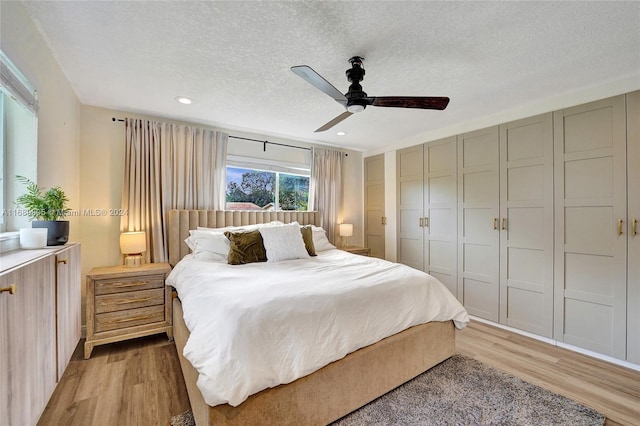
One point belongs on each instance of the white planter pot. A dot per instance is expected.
(33, 238)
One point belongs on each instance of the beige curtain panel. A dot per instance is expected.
(169, 166)
(325, 188)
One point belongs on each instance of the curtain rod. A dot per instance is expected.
(264, 142)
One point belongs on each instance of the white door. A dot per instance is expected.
(633, 227)
(410, 206)
(478, 217)
(526, 224)
(440, 210)
(590, 217)
(374, 205)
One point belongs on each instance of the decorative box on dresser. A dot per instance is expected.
(127, 302)
(363, 251)
(39, 327)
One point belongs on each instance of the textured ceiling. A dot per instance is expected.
(233, 59)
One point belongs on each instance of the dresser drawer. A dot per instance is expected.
(130, 318)
(119, 285)
(129, 300)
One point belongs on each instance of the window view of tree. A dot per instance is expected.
(249, 189)
(293, 192)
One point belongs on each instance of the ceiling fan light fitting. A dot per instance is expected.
(355, 108)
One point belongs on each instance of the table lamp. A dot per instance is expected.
(132, 244)
(345, 230)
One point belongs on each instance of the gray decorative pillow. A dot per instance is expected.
(245, 247)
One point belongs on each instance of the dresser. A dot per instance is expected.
(127, 302)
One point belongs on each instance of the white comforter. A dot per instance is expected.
(259, 325)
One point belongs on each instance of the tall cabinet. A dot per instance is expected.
(427, 209)
(374, 218)
(591, 237)
(633, 227)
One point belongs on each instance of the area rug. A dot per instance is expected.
(463, 391)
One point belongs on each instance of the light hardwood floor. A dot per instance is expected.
(139, 382)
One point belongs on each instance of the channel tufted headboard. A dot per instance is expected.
(181, 221)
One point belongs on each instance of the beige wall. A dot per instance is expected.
(59, 114)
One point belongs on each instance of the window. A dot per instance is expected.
(254, 189)
(18, 140)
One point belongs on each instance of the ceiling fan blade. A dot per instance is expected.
(335, 121)
(317, 81)
(422, 102)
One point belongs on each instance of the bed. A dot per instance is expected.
(328, 393)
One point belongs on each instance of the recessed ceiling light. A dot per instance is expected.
(183, 100)
(341, 133)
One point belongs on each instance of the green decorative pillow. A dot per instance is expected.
(307, 237)
(245, 247)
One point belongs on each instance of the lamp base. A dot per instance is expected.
(133, 261)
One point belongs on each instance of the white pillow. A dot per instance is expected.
(320, 241)
(207, 245)
(283, 242)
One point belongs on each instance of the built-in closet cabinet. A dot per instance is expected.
(591, 226)
(374, 218)
(427, 209)
(505, 222)
(479, 222)
(633, 227)
(526, 224)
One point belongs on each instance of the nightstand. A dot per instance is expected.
(127, 302)
(364, 251)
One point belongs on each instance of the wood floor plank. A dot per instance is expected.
(140, 383)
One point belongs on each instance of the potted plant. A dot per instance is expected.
(48, 207)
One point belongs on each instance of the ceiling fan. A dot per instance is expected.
(356, 100)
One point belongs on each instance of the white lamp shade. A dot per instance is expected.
(346, 229)
(133, 242)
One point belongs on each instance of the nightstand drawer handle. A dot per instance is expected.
(134, 318)
(132, 284)
(124, 302)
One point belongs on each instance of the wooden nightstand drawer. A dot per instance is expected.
(119, 285)
(129, 318)
(129, 300)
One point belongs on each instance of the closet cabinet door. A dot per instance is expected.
(68, 295)
(590, 217)
(526, 224)
(633, 227)
(374, 205)
(409, 164)
(440, 211)
(478, 227)
(27, 342)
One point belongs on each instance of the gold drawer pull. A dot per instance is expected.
(11, 289)
(133, 319)
(62, 261)
(132, 284)
(124, 302)
(633, 227)
(620, 226)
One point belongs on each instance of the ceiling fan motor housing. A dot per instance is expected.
(356, 97)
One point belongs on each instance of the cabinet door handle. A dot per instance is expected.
(495, 223)
(503, 223)
(620, 226)
(633, 227)
(421, 222)
(62, 261)
(426, 221)
(384, 220)
(11, 289)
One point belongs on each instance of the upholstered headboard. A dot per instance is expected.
(181, 221)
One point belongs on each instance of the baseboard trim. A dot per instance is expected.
(563, 345)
